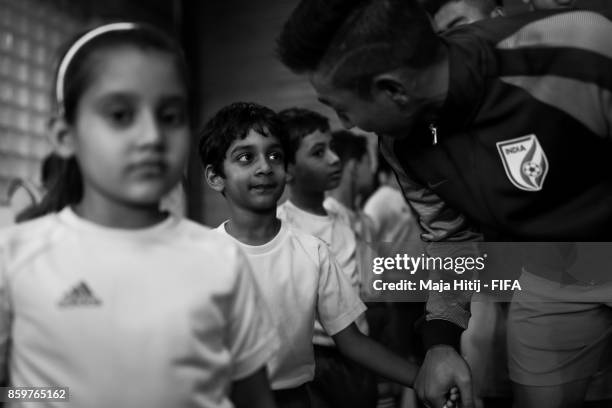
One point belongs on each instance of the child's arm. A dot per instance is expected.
(374, 356)
(253, 391)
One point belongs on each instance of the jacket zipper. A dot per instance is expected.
(434, 133)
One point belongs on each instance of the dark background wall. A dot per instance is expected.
(31, 32)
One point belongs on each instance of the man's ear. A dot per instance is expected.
(214, 179)
(62, 137)
(497, 12)
(391, 86)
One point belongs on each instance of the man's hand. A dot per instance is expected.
(443, 369)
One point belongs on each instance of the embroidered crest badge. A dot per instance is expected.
(524, 161)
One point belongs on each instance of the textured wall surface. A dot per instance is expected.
(31, 33)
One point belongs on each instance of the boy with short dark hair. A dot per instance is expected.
(243, 152)
(314, 168)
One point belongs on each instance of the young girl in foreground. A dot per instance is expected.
(126, 305)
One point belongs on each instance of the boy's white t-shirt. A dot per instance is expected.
(341, 241)
(396, 228)
(363, 228)
(299, 279)
(166, 316)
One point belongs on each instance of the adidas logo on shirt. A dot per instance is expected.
(80, 295)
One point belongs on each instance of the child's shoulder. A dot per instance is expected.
(302, 241)
(29, 231)
(20, 241)
(294, 215)
(206, 238)
(302, 236)
(196, 244)
(192, 230)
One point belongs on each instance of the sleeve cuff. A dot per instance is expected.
(438, 331)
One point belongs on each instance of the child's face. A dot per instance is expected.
(317, 168)
(131, 133)
(254, 170)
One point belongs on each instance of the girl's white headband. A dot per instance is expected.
(78, 44)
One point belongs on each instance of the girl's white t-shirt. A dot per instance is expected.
(166, 316)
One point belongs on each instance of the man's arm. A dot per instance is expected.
(447, 313)
(448, 234)
(443, 369)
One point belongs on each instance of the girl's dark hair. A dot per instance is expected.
(64, 188)
(67, 187)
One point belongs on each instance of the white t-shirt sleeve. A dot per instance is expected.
(5, 324)
(378, 208)
(252, 336)
(338, 304)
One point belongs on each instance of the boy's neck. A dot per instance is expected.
(309, 201)
(112, 214)
(253, 228)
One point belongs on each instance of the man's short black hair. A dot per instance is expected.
(353, 40)
(234, 122)
(299, 123)
(348, 145)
